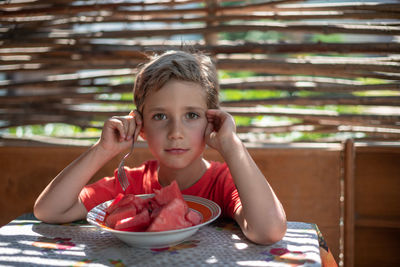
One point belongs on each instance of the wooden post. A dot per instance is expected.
(349, 207)
(211, 38)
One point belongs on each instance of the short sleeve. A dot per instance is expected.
(142, 180)
(103, 190)
(217, 185)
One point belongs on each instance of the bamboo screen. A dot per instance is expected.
(289, 70)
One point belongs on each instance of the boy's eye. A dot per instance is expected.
(192, 115)
(159, 116)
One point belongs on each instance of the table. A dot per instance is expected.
(26, 241)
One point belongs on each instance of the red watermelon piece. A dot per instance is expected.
(137, 223)
(141, 203)
(168, 193)
(120, 201)
(114, 204)
(193, 217)
(155, 212)
(126, 200)
(119, 214)
(170, 217)
(153, 205)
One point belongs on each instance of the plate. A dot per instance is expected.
(208, 209)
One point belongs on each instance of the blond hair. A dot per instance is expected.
(193, 67)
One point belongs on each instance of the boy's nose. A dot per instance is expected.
(175, 129)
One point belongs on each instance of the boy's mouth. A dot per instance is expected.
(176, 151)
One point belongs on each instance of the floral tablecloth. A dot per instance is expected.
(29, 242)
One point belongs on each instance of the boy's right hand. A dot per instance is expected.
(120, 131)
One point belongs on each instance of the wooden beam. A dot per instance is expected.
(349, 203)
(318, 100)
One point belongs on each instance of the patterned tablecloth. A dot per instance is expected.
(29, 242)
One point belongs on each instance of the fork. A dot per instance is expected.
(122, 179)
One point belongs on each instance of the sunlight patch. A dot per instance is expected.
(241, 245)
(212, 260)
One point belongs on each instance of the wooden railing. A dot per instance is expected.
(320, 183)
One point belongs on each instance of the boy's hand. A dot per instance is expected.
(120, 131)
(221, 129)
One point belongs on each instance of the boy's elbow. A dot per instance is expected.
(271, 235)
(46, 213)
(276, 235)
(42, 213)
(39, 212)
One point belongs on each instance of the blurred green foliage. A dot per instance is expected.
(327, 38)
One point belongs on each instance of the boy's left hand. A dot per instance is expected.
(221, 129)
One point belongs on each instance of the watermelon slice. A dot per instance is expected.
(168, 193)
(141, 203)
(114, 204)
(193, 217)
(171, 217)
(126, 200)
(153, 205)
(134, 224)
(119, 214)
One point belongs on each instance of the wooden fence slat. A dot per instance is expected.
(315, 101)
(43, 58)
(226, 47)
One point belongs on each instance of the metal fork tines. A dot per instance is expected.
(123, 180)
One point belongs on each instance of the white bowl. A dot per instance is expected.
(208, 209)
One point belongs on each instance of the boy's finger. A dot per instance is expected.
(117, 124)
(139, 122)
(125, 128)
(138, 116)
(216, 114)
(209, 129)
(131, 126)
(137, 131)
(211, 112)
(211, 115)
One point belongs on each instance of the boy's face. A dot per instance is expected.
(174, 121)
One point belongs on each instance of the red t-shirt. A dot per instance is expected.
(216, 184)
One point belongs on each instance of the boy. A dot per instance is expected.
(176, 97)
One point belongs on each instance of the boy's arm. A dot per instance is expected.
(59, 202)
(261, 217)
